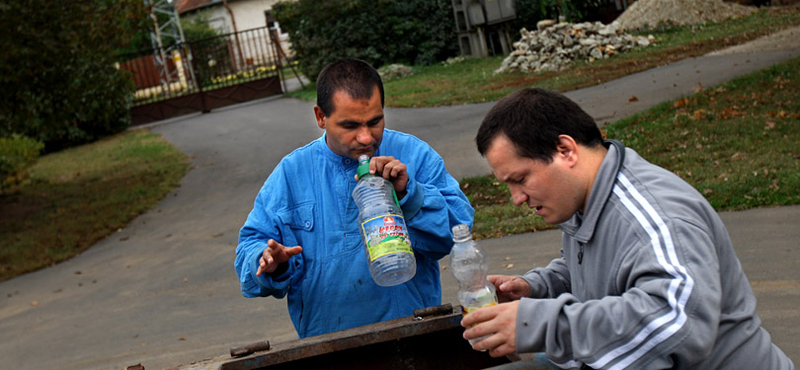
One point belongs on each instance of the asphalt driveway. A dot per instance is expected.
(163, 291)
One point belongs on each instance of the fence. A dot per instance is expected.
(204, 74)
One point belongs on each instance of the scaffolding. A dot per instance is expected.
(171, 28)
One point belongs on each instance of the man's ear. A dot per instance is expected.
(567, 149)
(320, 116)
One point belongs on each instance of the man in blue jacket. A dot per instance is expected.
(302, 237)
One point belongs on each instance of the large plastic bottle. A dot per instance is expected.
(469, 266)
(383, 228)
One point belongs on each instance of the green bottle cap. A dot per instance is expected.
(363, 166)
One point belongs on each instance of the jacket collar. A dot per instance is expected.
(581, 226)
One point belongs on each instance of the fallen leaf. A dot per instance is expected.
(181, 338)
(633, 99)
(707, 191)
(510, 265)
(35, 303)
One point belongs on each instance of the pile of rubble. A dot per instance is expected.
(650, 13)
(554, 46)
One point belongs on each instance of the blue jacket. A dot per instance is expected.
(307, 201)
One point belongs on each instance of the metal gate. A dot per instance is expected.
(206, 74)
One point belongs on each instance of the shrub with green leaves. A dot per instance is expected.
(61, 86)
(411, 32)
(17, 153)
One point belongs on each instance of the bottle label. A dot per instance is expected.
(386, 235)
(465, 311)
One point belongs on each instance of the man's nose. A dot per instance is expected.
(518, 198)
(364, 135)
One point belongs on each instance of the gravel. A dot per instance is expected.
(645, 14)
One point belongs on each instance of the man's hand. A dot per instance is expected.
(390, 169)
(510, 288)
(274, 255)
(499, 322)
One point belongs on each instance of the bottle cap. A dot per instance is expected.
(461, 232)
(363, 166)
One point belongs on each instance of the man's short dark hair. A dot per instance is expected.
(533, 119)
(354, 76)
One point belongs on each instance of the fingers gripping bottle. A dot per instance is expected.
(383, 228)
(469, 266)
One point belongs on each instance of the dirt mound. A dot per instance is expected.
(649, 13)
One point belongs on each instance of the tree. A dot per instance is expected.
(60, 84)
(198, 28)
(377, 31)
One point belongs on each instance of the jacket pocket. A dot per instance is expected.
(298, 217)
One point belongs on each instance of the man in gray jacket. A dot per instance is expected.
(647, 279)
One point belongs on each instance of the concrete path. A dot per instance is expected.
(163, 292)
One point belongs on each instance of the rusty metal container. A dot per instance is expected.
(429, 339)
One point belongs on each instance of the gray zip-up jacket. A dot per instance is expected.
(648, 279)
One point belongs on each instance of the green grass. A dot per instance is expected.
(78, 196)
(737, 144)
(474, 81)
(495, 215)
(738, 153)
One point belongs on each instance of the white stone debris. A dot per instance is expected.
(555, 45)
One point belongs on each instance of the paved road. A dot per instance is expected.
(163, 292)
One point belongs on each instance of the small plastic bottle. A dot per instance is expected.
(469, 266)
(383, 228)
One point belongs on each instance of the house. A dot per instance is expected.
(227, 16)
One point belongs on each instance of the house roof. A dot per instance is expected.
(188, 5)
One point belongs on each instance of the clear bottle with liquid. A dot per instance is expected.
(469, 266)
(383, 228)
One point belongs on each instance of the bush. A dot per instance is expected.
(411, 32)
(58, 56)
(531, 11)
(17, 154)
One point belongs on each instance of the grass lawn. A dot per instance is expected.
(78, 196)
(474, 81)
(736, 144)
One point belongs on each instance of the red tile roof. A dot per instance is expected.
(187, 5)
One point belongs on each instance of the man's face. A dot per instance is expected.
(356, 125)
(550, 188)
